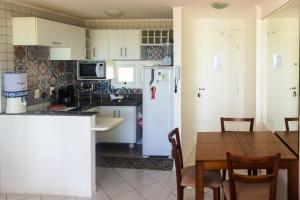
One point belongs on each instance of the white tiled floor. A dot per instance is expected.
(135, 184)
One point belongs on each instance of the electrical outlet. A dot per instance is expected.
(37, 94)
(51, 90)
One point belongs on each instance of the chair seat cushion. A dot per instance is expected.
(212, 179)
(248, 191)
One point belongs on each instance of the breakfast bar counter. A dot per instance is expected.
(60, 144)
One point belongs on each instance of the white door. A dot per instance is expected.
(100, 44)
(132, 47)
(116, 45)
(283, 79)
(217, 79)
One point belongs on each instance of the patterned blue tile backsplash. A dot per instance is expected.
(42, 73)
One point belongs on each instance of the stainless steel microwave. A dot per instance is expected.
(91, 70)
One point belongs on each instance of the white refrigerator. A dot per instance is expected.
(158, 93)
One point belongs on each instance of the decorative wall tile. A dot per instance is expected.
(32, 53)
(42, 73)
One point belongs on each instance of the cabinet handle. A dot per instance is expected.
(119, 113)
(121, 51)
(126, 51)
(57, 43)
(94, 52)
(114, 113)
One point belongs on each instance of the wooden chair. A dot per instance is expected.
(243, 187)
(287, 120)
(223, 120)
(185, 176)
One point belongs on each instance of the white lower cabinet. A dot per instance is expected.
(125, 132)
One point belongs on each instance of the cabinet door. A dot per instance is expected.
(50, 33)
(126, 131)
(116, 45)
(132, 45)
(99, 44)
(76, 41)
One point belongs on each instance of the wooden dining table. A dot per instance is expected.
(211, 151)
(289, 138)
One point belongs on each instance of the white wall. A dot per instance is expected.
(177, 28)
(270, 6)
(190, 24)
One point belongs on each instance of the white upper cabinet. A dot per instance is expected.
(99, 45)
(132, 44)
(124, 45)
(37, 31)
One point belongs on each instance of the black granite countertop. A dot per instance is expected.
(85, 104)
(56, 113)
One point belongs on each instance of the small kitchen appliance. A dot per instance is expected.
(91, 70)
(15, 90)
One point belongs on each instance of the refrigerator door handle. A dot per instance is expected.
(152, 77)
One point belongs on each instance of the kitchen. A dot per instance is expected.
(92, 78)
(31, 149)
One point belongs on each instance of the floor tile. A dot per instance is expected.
(160, 175)
(154, 198)
(130, 173)
(102, 172)
(117, 189)
(137, 182)
(133, 195)
(110, 180)
(150, 190)
(54, 197)
(100, 194)
(172, 197)
(23, 196)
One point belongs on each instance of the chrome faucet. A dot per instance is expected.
(91, 95)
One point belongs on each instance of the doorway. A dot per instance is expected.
(218, 79)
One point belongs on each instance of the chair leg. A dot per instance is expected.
(269, 171)
(180, 192)
(249, 172)
(224, 174)
(254, 171)
(216, 192)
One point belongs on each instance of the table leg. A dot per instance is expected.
(293, 180)
(199, 181)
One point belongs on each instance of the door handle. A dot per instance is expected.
(199, 93)
(119, 113)
(114, 113)
(292, 88)
(121, 52)
(126, 51)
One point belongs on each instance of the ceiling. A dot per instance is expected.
(133, 9)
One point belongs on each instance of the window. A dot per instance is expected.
(125, 74)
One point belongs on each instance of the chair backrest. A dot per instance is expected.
(224, 119)
(287, 120)
(241, 162)
(174, 139)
